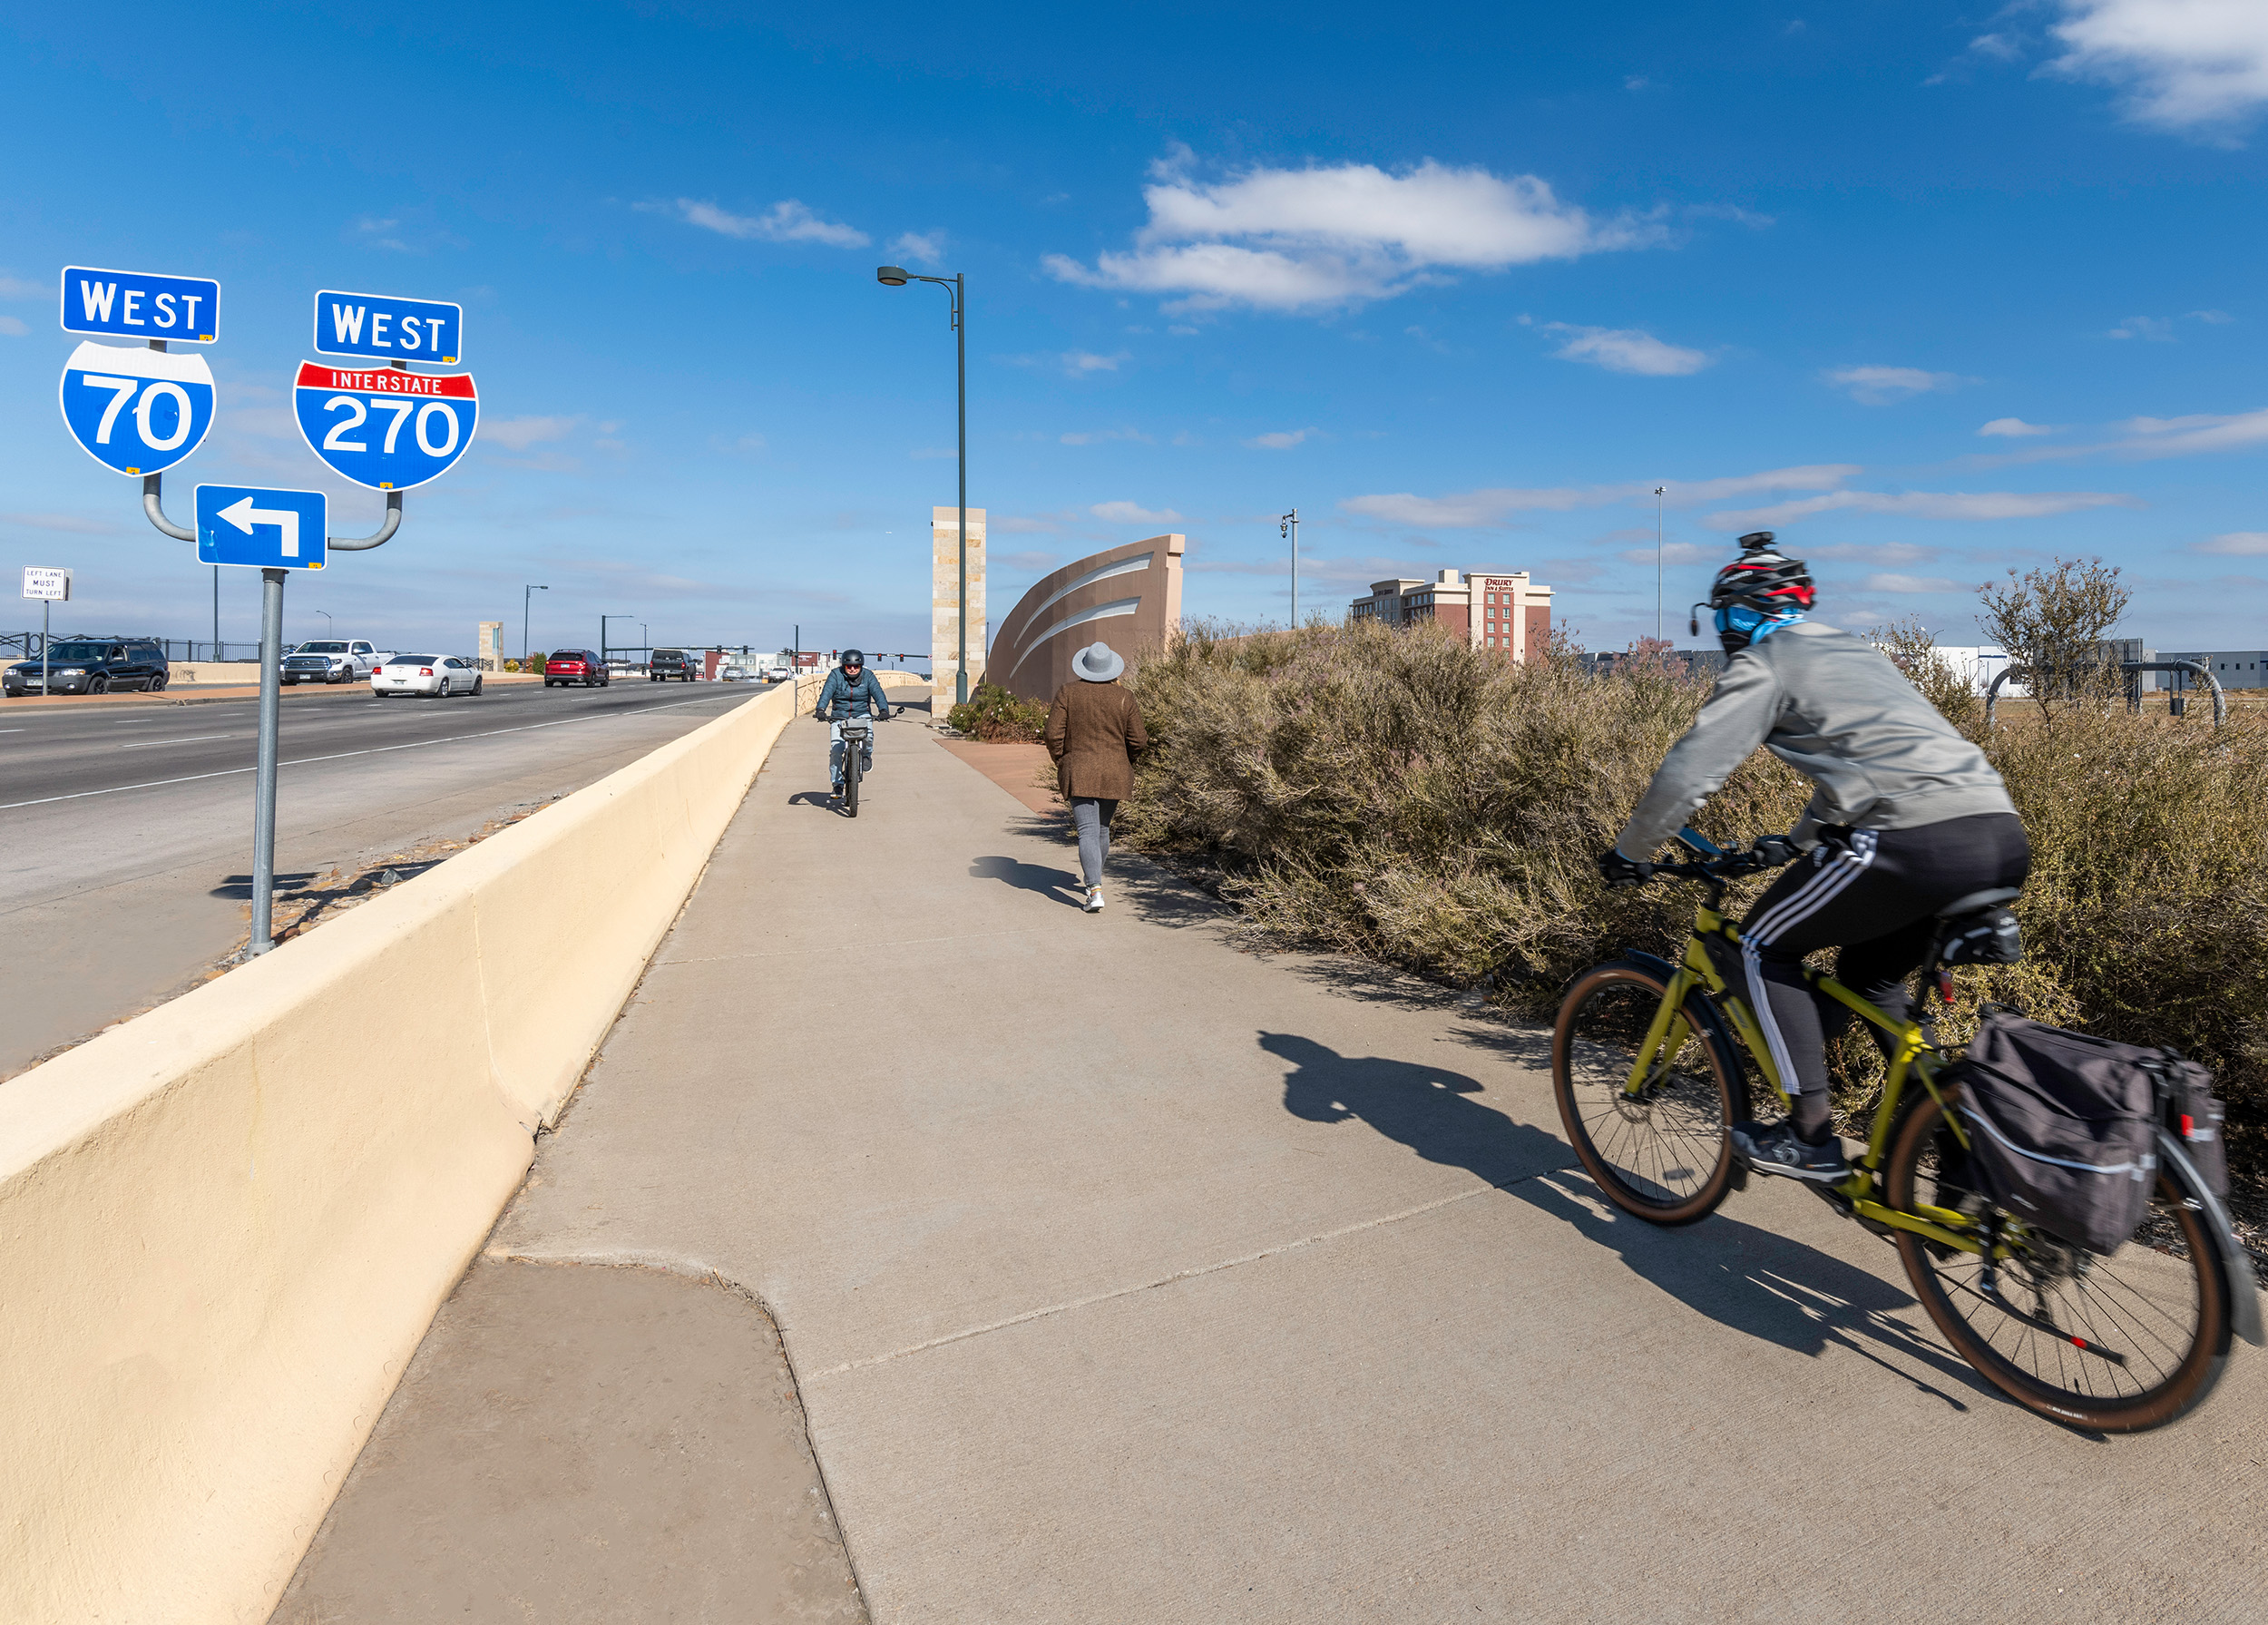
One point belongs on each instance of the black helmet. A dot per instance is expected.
(852, 656)
(1763, 584)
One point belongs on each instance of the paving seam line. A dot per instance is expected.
(910, 941)
(1192, 1273)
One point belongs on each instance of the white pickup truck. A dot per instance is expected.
(333, 660)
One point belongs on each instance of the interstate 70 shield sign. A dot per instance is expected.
(384, 429)
(136, 411)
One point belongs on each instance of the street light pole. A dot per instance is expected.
(527, 592)
(1658, 562)
(956, 289)
(602, 620)
(1288, 525)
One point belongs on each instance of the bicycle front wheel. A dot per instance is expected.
(2114, 1342)
(850, 779)
(1661, 1153)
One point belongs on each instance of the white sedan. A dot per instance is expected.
(430, 674)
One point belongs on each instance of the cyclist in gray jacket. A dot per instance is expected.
(1906, 817)
(848, 690)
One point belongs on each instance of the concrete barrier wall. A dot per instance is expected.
(225, 1225)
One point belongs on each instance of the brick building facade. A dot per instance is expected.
(1489, 609)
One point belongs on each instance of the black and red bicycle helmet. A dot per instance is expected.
(1763, 580)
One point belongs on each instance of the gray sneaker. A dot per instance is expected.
(1777, 1150)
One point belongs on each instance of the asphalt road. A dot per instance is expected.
(125, 833)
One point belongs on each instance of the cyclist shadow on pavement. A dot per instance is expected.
(1756, 1281)
(1057, 884)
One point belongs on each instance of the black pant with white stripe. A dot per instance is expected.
(1875, 893)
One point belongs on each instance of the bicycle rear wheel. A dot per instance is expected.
(2154, 1317)
(1663, 1154)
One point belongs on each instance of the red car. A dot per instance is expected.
(573, 666)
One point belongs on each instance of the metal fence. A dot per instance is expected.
(26, 646)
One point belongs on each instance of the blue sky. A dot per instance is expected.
(1932, 290)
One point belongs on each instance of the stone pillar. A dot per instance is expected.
(492, 655)
(944, 604)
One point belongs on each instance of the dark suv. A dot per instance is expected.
(92, 666)
(667, 663)
(572, 666)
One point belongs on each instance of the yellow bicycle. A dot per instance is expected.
(1647, 1061)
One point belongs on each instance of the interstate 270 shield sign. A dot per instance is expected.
(384, 429)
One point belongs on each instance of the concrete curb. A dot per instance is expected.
(225, 1225)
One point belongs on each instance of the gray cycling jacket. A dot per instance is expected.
(1835, 709)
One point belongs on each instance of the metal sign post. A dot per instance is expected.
(276, 531)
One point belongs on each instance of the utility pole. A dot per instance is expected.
(1288, 525)
(1658, 562)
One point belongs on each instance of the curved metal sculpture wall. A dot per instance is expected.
(1129, 597)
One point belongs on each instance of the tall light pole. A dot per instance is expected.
(1658, 562)
(1288, 525)
(527, 592)
(602, 620)
(327, 628)
(956, 289)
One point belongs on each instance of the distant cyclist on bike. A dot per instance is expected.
(847, 691)
(1906, 817)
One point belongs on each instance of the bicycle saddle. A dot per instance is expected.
(1978, 902)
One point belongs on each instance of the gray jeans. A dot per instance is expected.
(1092, 815)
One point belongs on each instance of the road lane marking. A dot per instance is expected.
(304, 761)
(195, 738)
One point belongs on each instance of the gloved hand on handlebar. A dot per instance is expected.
(1618, 871)
(1775, 850)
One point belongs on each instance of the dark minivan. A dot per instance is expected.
(572, 666)
(92, 666)
(667, 663)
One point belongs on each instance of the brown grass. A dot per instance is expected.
(1402, 796)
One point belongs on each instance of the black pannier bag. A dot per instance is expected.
(2193, 1115)
(2060, 1127)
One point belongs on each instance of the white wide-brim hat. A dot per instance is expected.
(1098, 663)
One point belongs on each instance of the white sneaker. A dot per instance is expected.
(1094, 899)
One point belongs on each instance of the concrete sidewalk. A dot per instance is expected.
(1127, 1274)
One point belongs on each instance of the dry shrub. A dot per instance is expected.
(992, 713)
(1400, 795)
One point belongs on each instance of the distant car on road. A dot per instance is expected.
(333, 660)
(432, 675)
(777, 674)
(92, 666)
(668, 663)
(575, 666)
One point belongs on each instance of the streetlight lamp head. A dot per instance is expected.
(890, 276)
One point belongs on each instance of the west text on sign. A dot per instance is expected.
(387, 430)
(140, 305)
(387, 328)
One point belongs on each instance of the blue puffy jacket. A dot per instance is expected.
(849, 696)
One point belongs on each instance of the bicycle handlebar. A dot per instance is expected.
(1716, 865)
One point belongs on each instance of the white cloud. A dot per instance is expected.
(1281, 440)
(1096, 436)
(1908, 583)
(1079, 362)
(69, 524)
(1880, 385)
(2201, 432)
(13, 327)
(2211, 317)
(2153, 330)
(1677, 552)
(2191, 65)
(1880, 552)
(1470, 509)
(1924, 504)
(2014, 428)
(16, 287)
(1126, 512)
(785, 221)
(1626, 350)
(518, 434)
(923, 247)
(1324, 236)
(2241, 543)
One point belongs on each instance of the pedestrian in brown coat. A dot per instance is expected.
(1094, 733)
